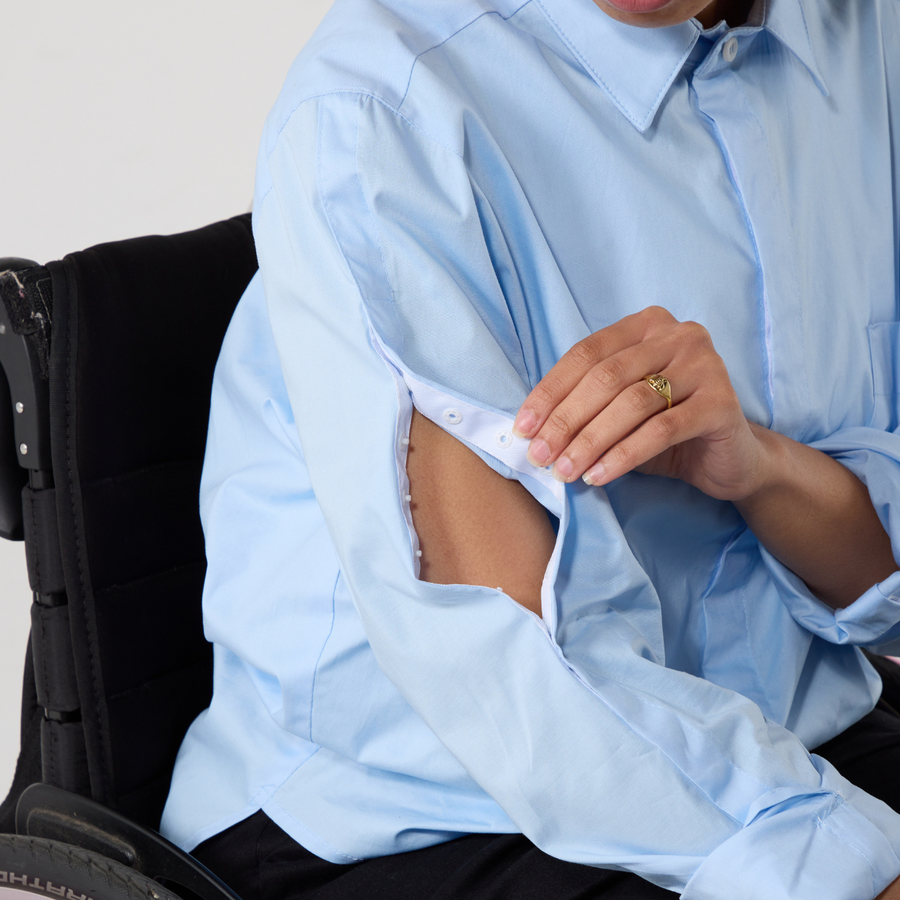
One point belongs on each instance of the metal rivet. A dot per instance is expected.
(23, 449)
(20, 407)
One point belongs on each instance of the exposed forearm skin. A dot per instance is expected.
(815, 516)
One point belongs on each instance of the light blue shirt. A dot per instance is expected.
(450, 193)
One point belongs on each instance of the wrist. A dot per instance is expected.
(771, 471)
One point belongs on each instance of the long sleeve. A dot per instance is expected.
(385, 292)
(873, 620)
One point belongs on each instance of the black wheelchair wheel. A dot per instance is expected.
(59, 871)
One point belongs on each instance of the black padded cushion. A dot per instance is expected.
(137, 330)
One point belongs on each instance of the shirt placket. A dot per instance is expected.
(723, 97)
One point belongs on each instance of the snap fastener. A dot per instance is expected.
(729, 49)
(452, 416)
(504, 439)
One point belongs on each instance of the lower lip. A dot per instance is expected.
(638, 6)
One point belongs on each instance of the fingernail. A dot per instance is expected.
(538, 452)
(524, 424)
(595, 474)
(562, 469)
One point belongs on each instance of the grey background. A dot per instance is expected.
(121, 119)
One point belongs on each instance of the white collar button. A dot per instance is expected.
(730, 49)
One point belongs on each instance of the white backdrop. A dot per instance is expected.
(116, 120)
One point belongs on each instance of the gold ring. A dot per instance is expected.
(661, 385)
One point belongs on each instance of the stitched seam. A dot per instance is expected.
(318, 836)
(761, 290)
(793, 257)
(200, 658)
(825, 826)
(162, 575)
(187, 465)
(312, 690)
(620, 103)
(35, 543)
(54, 752)
(820, 82)
(359, 92)
(492, 12)
(44, 648)
(80, 550)
(259, 837)
(750, 657)
(374, 221)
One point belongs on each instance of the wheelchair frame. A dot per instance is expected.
(106, 363)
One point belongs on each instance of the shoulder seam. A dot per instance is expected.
(450, 37)
(359, 92)
(367, 92)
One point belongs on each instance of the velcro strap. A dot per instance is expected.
(42, 554)
(54, 664)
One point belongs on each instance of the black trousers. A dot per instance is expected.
(261, 862)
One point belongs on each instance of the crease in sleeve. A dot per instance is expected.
(852, 846)
(528, 741)
(873, 619)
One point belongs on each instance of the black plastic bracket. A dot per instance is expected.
(28, 385)
(54, 814)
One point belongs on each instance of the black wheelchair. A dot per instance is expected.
(107, 359)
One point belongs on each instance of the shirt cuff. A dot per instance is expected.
(841, 843)
(871, 620)
(873, 456)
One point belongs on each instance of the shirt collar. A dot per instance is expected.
(636, 66)
(786, 20)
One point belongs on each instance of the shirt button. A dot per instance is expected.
(452, 416)
(729, 50)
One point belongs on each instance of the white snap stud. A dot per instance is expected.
(729, 49)
(504, 439)
(452, 416)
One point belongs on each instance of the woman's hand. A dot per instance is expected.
(594, 415)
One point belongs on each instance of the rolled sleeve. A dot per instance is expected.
(795, 846)
(873, 620)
